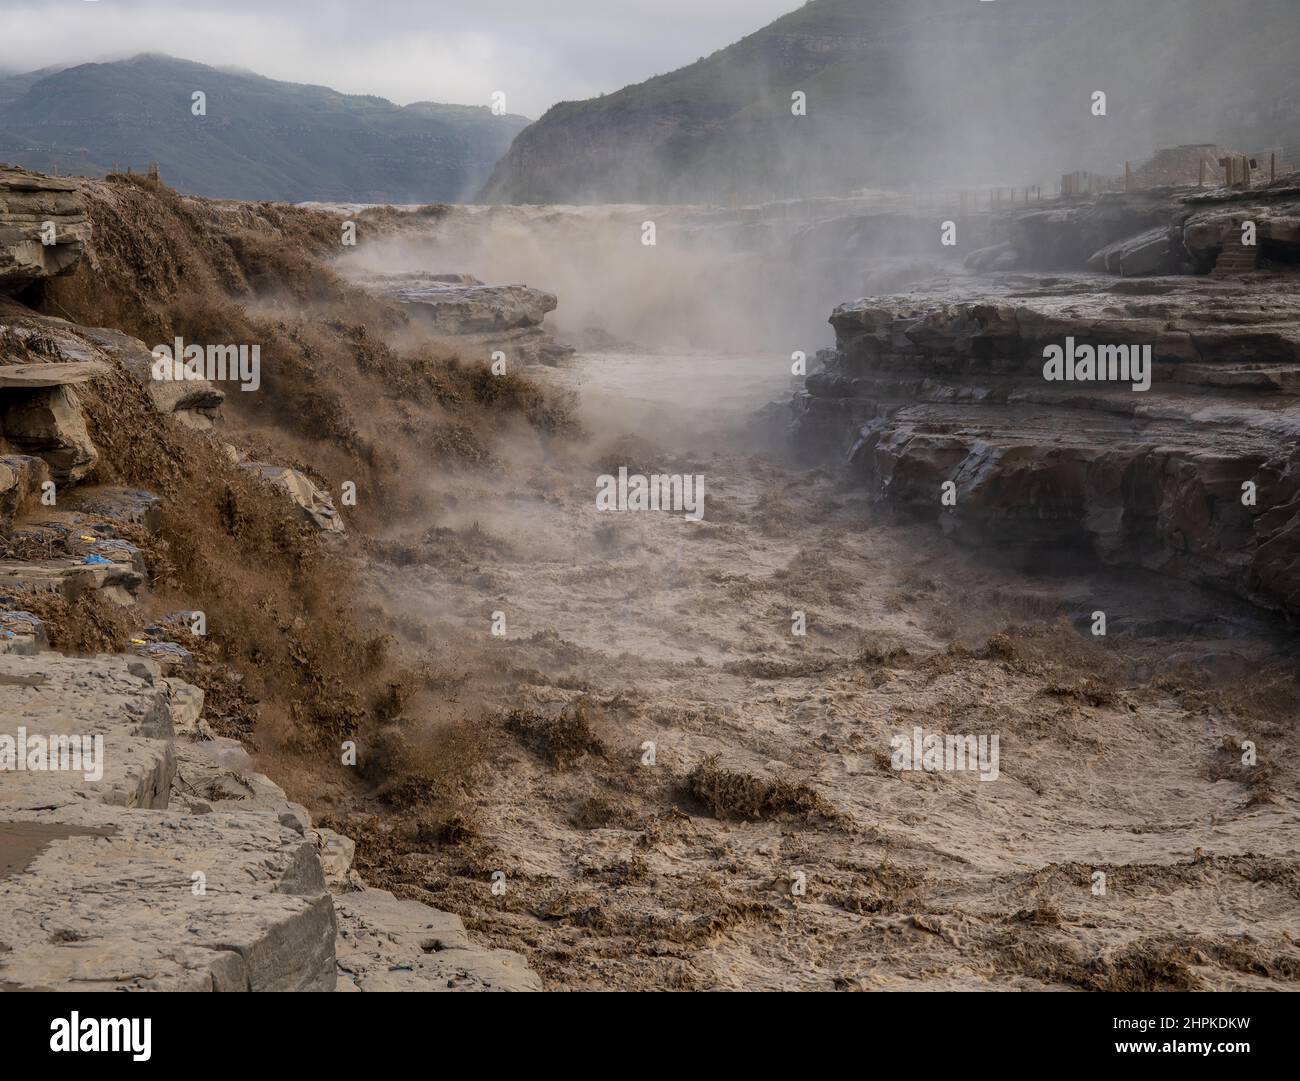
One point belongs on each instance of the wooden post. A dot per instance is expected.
(1272, 165)
(1128, 176)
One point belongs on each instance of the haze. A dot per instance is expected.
(404, 50)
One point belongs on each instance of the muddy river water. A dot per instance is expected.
(695, 782)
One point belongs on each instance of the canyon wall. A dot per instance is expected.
(1197, 476)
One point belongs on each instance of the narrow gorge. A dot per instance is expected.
(389, 702)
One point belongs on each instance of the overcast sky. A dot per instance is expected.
(537, 51)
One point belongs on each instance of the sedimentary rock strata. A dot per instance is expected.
(1196, 477)
(43, 227)
(164, 861)
(1145, 233)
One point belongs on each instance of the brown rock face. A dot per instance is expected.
(49, 424)
(1198, 476)
(21, 477)
(43, 227)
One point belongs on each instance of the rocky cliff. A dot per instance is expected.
(939, 399)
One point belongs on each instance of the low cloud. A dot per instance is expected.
(404, 50)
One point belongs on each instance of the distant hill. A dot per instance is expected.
(260, 139)
(938, 92)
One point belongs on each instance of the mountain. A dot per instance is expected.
(938, 93)
(260, 138)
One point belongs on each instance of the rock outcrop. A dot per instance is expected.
(102, 884)
(315, 505)
(387, 944)
(481, 318)
(1195, 477)
(43, 227)
(139, 852)
(41, 360)
(1145, 233)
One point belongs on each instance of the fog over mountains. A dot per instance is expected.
(928, 92)
(893, 93)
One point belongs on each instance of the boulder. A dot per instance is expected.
(454, 307)
(482, 318)
(336, 852)
(195, 403)
(186, 702)
(21, 480)
(317, 507)
(216, 773)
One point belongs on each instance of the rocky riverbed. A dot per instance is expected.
(768, 841)
(640, 750)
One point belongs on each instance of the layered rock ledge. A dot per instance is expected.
(43, 227)
(482, 318)
(164, 861)
(1197, 477)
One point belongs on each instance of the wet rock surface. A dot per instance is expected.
(482, 318)
(315, 505)
(948, 384)
(387, 944)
